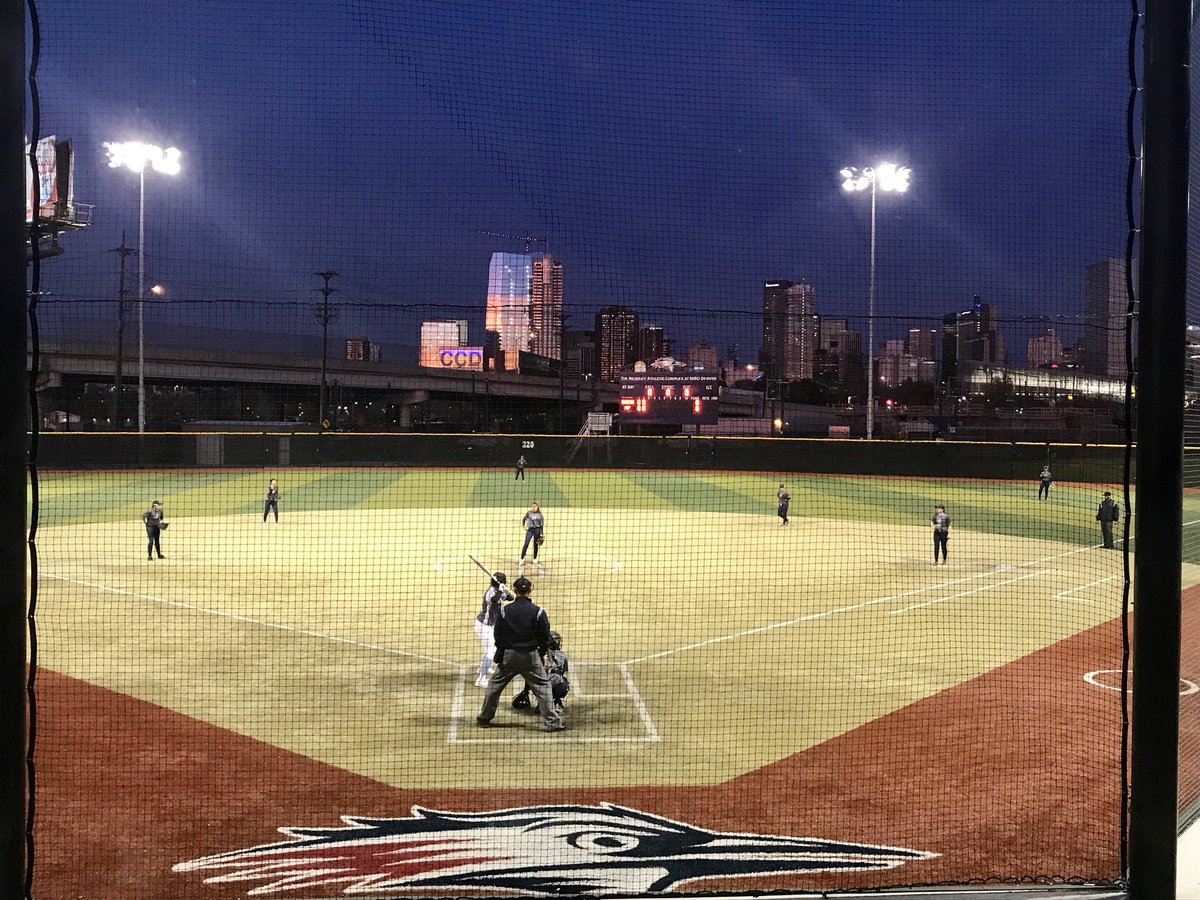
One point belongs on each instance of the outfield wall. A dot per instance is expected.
(1079, 463)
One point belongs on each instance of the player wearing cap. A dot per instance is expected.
(485, 625)
(153, 518)
(1107, 512)
(1044, 482)
(941, 532)
(522, 639)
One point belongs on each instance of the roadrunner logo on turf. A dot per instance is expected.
(533, 850)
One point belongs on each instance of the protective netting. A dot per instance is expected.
(424, 265)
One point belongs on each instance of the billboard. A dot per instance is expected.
(463, 358)
(52, 189)
(669, 398)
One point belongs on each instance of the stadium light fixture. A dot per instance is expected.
(893, 179)
(136, 156)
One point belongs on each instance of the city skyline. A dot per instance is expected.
(663, 184)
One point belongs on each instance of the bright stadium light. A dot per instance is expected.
(136, 156)
(893, 179)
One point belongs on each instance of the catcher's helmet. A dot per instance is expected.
(555, 640)
(499, 578)
(522, 585)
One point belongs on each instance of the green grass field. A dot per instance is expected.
(705, 640)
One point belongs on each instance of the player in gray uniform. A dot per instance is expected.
(153, 518)
(1044, 482)
(533, 522)
(272, 502)
(485, 625)
(520, 469)
(557, 666)
(784, 499)
(941, 532)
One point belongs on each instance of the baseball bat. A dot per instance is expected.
(503, 587)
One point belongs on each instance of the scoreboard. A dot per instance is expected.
(669, 398)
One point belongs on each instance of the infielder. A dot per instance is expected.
(153, 518)
(485, 625)
(941, 532)
(533, 522)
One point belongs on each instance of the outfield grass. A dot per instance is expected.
(705, 639)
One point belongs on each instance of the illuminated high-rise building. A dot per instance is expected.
(616, 341)
(791, 330)
(524, 305)
(652, 343)
(1045, 349)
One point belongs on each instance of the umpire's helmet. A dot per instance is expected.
(522, 585)
(555, 640)
(499, 578)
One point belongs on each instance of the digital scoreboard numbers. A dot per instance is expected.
(669, 398)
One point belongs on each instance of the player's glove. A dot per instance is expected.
(540, 539)
(163, 526)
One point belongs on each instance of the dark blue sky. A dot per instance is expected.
(676, 154)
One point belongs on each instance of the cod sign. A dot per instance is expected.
(469, 358)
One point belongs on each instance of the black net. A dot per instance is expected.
(658, 270)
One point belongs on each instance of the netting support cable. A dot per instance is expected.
(13, 454)
(1158, 531)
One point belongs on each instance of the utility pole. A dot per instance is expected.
(122, 321)
(324, 313)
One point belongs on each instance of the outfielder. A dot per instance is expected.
(272, 501)
(485, 625)
(784, 499)
(941, 533)
(1044, 482)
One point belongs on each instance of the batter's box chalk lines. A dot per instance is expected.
(248, 620)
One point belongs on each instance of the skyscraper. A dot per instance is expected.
(1045, 349)
(1104, 310)
(524, 305)
(970, 336)
(616, 341)
(545, 305)
(652, 342)
(919, 342)
(791, 330)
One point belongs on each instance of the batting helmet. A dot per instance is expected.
(522, 585)
(499, 578)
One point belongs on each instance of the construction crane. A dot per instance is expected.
(527, 239)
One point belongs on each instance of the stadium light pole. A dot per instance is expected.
(136, 156)
(894, 179)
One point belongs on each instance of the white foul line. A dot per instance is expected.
(986, 587)
(1084, 587)
(252, 621)
(637, 701)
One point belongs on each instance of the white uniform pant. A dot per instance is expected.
(487, 637)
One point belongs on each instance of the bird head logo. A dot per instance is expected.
(542, 851)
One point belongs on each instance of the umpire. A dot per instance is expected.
(522, 639)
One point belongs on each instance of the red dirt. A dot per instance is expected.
(1010, 776)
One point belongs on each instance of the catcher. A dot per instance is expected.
(534, 523)
(155, 526)
(556, 665)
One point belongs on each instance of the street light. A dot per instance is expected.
(893, 179)
(135, 156)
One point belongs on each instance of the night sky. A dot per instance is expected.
(674, 154)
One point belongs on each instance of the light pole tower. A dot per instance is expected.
(894, 179)
(118, 412)
(324, 312)
(135, 156)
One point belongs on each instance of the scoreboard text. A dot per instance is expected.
(669, 398)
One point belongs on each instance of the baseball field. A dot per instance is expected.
(821, 679)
